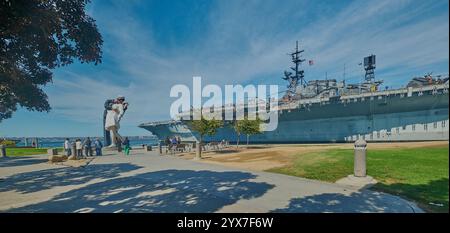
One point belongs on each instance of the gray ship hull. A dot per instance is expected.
(398, 117)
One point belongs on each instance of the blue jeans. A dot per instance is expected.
(98, 151)
(79, 153)
(87, 151)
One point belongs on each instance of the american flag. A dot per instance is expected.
(311, 62)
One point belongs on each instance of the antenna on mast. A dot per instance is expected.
(298, 76)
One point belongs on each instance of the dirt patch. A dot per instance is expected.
(74, 163)
(407, 144)
(264, 157)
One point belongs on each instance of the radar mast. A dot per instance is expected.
(298, 76)
(369, 67)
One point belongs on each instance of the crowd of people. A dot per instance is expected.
(87, 147)
(83, 148)
(172, 141)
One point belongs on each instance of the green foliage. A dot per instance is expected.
(247, 127)
(206, 127)
(419, 174)
(28, 151)
(35, 37)
(250, 127)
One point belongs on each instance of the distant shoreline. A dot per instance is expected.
(54, 142)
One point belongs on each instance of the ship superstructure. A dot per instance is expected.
(328, 110)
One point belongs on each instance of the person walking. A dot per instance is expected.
(79, 147)
(67, 147)
(167, 141)
(98, 147)
(174, 143)
(168, 144)
(126, 146)
(119, 144)
(87, 147)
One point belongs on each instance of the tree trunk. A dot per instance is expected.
(198, 150)
(248, 136)
(237, 142)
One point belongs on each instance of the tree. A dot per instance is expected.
(204, 127)
(35, 37)
(252, 127)
(238, 126)
(247, 127)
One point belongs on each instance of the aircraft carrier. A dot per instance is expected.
(331, 111)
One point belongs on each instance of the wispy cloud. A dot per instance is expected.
(246, 40)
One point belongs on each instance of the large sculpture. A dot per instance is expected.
(114, 110)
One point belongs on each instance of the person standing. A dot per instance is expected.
(79, 147)
(87, 147)
(167, 143)
(126, 146)
(119, 144)
(98, 147)
(67, 147)
(173, 143)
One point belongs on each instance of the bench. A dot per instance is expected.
(183, 147)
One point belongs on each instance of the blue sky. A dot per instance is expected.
(149, 46)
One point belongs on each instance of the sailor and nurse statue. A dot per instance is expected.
(113, 113)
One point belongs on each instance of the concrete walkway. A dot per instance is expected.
(147, 182)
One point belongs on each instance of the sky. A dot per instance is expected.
(150, 46)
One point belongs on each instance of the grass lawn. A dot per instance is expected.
(417, 174)
(27, 151)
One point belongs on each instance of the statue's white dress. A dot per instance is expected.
(113, 117)
(112, 124)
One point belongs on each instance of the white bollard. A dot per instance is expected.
(359, 168)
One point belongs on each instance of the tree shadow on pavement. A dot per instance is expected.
(161, 191)
(20, 161)
(45, 179)
(357, 202)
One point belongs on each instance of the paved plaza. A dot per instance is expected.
(147, 182)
